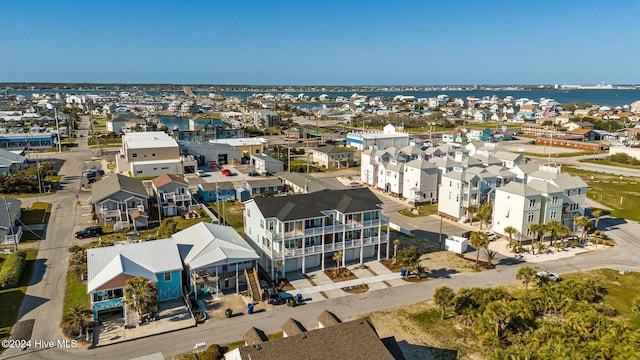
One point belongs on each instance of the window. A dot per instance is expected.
(554, 213)
(554, 200)
(530, 217)
(257, 151)
(248, 213)
(532, 203)
(153, 154)
(139, 172)
(261, 224)
(167, 276)
(135, 155)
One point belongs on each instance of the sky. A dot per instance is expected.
(369, 42)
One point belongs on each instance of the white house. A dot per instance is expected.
(420, 182)
(389, 137)
(304, 231)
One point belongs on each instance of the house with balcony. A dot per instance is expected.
(152, 154)
(10, 212)
(369, 163)
(420, 182)
(216, 258)
(303, 232)
(110, 267)
(119, 201)
(172, 194)
(333, 157)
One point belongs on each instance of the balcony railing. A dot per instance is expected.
(336, 246)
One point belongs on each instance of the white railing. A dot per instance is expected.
(337, 246)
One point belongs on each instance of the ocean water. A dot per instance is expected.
(610, 97)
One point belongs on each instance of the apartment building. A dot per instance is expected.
(304, 231)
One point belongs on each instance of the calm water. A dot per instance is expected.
(613, 97)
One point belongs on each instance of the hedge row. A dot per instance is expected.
(11, 270)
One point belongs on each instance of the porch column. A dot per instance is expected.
(237, 282)
(217, 283)
(361, 245)
(379, 237)
(322, 252)
(344, 241)
(387, 256)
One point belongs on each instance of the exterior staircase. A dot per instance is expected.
(131, 319)
(254, 285)
(119, 225)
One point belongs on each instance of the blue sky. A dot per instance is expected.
(321, 42)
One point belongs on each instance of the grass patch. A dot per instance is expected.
(607, 189)
(621, 289)
(420, 211)
(38, 214)
(11, 299)
(233, 214)
(610, 163)
(75, 294)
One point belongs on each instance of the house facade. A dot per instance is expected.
(333, 157)
(152, 154)
(304, 231)
(10, 213)
(116, 198)
(109, 268)
(172, 193)
(220, 191)
(420, 180)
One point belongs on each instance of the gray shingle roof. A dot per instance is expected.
(303, 180)
(517, 188)
(420, 163)
(115, 183)
(215, 186)
(14, 208)
(311, 205)
(353, 340)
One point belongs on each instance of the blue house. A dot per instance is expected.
(110, 267)
(479, 134)
(223, 190)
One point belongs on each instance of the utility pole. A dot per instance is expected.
(55, 114)
(6, 205)
(289, 157)
(440, 235)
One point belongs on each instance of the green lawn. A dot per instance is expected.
(11, 299)
(423, 210)
(610, 163)
(38, 214)
(75, 294)
(234, 214)
(607, 189)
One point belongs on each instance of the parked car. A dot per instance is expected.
(226, 172)
(491, 235)
(201, 173)
(545, 275)
(466, 234)
(253, 172)
(273, 296)
(90, 231)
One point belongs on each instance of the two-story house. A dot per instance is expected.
(333, 157)
(172, 193)
(120, 201)
(420, 182)
(304, 231)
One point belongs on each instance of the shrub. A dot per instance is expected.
(213, 352)
(11, 270)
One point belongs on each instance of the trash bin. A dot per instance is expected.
(250, 309)
(299, 298)
(403, 272)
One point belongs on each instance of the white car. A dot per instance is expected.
(548, 276)
(201, 173)
(491, 235)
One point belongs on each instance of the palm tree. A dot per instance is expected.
(498, 313)
(478, 239)
(583, 222)
(337, 256)
(490, 255)
(485, 212)
(575, 218)
(596, 214)
(76, 318)
(526, 274)
(141, 294)
(510, 230)
(563, 231)
(536, 229)
(396, 242)
(471, 210)
(444, 297)
(553, 226)
(276, 269)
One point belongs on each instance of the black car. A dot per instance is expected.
(273, 296)
(466, 234)
(90, 231)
